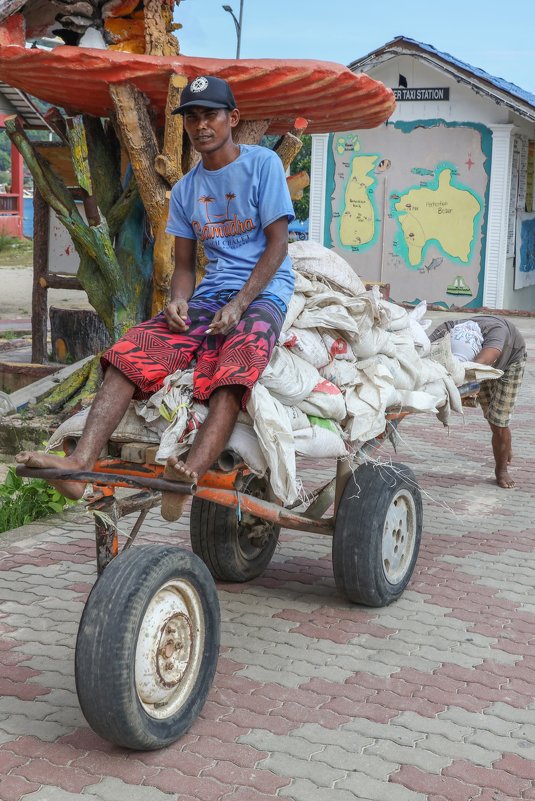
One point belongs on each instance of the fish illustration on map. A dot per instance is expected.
(434, 264)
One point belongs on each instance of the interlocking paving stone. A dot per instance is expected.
(404, 755)
(55, 794)
(479, 720)
(110, 789)
(303, 790)
(429, 699)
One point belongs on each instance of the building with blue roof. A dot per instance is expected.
(439, 201)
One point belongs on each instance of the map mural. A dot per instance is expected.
(407, 207)
(525, 251)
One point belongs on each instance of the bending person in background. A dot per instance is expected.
(236, 202)
(487, 339)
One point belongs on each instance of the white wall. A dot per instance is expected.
(464, 105)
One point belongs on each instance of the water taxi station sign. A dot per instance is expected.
(440, 93)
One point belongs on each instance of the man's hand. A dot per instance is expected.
(226, 319)
(176, 315)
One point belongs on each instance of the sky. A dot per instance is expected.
(495, 36)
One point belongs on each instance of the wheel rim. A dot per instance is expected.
(169, 648)
(399, 536)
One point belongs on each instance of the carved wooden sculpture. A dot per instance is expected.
(123, 244)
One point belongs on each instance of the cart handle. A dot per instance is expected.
(118, 480)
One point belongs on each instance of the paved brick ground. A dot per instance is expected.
(429, 699)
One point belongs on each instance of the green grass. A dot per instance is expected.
(24, 500)
(15, 252)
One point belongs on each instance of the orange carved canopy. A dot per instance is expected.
(328, 95)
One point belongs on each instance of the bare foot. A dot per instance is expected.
(173, 502)
(504, 480)
(510, 457)
(71, 489)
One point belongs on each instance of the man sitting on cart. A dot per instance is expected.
(488, 339)
(237, 204)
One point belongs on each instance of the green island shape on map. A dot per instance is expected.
(357, 223)
(443, 213)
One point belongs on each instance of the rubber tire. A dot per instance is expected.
(107, 642)
(357, 549)
(218, 539)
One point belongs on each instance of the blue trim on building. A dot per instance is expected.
(499, 83)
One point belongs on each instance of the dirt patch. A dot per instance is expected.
(17, 294)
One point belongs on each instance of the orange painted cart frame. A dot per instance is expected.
(224, 487)
(148, 640)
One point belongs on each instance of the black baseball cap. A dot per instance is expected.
(206, 91)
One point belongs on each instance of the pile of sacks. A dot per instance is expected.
(345, 356)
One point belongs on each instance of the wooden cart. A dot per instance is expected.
(148, 639)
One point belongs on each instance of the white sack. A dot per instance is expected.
(340, 372)
(326, 400)
(297, 418)
(308, 344)
(409, 360)
(334, 316)
(375, 340)
(337, 346)
(480, 372)
(131, 428)
(419, 327)
(276, 441)
(441, 353)
(313, 259)
(316, 440)
(295, 307)
(397, 316)
(289, 378)
(367, 401)
(244, 442)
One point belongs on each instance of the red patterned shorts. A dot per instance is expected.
(150, 351)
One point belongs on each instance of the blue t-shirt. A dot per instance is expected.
(227, 210)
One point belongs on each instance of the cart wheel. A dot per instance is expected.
(147, 647)
(377, 534)
(232, 550)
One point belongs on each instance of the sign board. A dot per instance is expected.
(439, 93)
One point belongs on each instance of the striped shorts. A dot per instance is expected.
(497, 398)
(149, 352)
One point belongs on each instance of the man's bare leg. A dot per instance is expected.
(109, 406)
(213, 435)
(502, 450)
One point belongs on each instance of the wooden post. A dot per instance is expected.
(290, 144)
(41, 227)
(168, 164)
(250, 132)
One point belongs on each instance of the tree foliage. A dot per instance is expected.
(301, 163)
